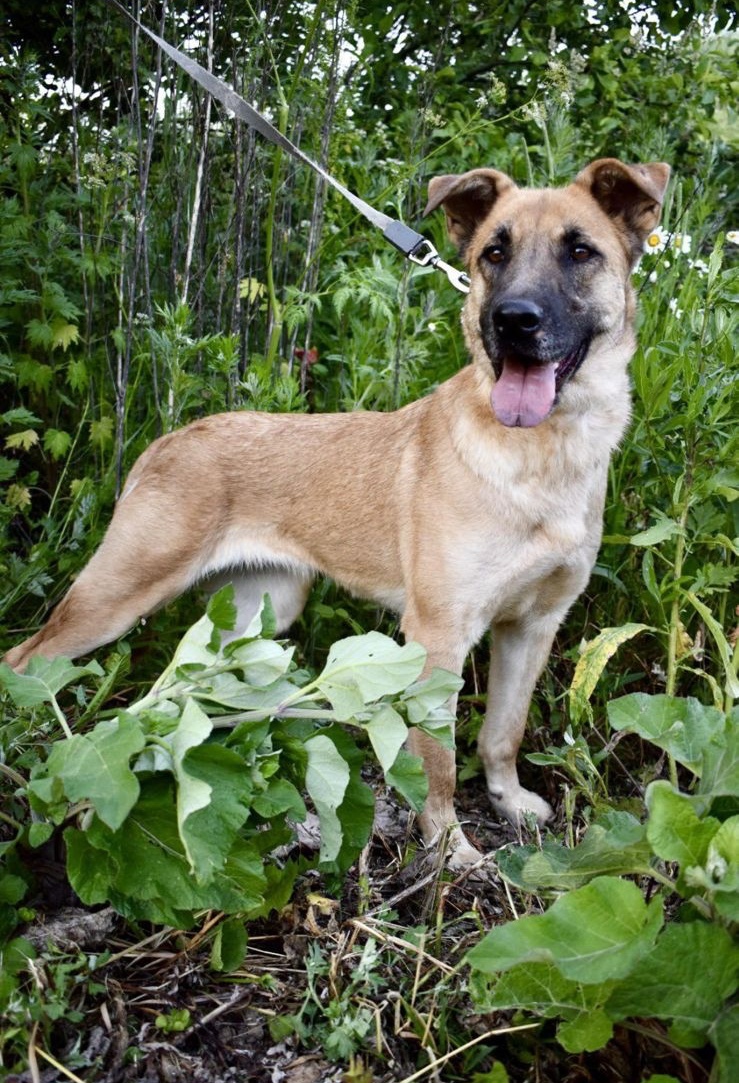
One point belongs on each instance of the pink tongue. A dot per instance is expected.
(523, 394)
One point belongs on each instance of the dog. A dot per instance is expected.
(479, 506)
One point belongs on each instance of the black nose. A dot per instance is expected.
(517, 317)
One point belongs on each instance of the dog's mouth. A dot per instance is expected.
(525, 392)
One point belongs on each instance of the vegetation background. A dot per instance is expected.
(158, 261)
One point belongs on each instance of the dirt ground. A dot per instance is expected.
(152, 973)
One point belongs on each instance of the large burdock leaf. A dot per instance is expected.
(95, 768)
(43, 679)
(362, 669)
(326, 780)
(685, 977)
(682, 727)
(591, 935)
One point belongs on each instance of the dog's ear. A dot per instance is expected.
(632, 194)
(467, 199)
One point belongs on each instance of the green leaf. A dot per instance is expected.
(409, 778)
(586, 1032)
(229, 945)
(722, 644)
(57, 442)
(592, 662)
(21, 440)
(209, 832)
(541, 989)
(720, 766)
(362, 669)
(660, 531)
(326, 780)
(423, 699)
(719, 875)
(143, 871)
(682, 727)
(387, 733)
(43, 679)
(614, 845)
(724, 1033)
(593, 934)
(685, 977)
(63, 334)
(674, 829)
(95, 767)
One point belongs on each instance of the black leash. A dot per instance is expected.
(414, 246)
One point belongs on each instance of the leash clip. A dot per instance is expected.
(425, 255)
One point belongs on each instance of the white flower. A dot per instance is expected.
(653, 276)
(699, 265)
(733, 236)
(677, 312)
(657, 240)
(681, 242)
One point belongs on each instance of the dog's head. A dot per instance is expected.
(550, 271)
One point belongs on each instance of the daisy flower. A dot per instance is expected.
(733, 236)
(657, 240)
(681, 242)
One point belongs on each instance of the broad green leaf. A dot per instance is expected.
(720, 767)
(387, 733)
(326, 780)
(209, 832)
(192, 793)
(685, 977)
(101, 431)
(724, 1033)
(43, 679)
(592, 934)
(229, 945)
(586, 1032)
(8, 468)
(221, 609)
(682, 727)
(262, 660)
(362, 669)
(63, 334)
(57, 442)
(660, 531)
(21, 440)
(541, 989)
(95, 767)
(356, 811)
(674, 829)
(614, 845)
(143, 871)
(592, 662)
(719, 874)
(408, 777)
(426, 697)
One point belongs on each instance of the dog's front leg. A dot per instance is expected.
(438, 821)
(519, 651)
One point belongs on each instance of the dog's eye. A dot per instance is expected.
(580, 253)
(494, 254)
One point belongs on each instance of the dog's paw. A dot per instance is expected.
(515, 806)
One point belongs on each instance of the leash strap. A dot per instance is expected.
(414, 246)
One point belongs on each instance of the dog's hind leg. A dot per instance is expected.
(148, 556)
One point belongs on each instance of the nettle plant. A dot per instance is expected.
(189, 798)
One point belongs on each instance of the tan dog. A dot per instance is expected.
(478, 506)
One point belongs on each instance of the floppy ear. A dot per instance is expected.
(633, 194)
(467, 199)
